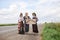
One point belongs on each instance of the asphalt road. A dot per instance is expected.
(11, 33)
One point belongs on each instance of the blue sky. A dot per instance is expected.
(46, 10)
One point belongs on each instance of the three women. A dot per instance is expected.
(22, 25)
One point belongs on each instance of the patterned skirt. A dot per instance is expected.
(20, 24)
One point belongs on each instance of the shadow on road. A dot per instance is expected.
(32, 34)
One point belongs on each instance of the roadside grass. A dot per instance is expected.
(8, 24)
(51, 31)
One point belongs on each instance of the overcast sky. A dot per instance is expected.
(46, 10)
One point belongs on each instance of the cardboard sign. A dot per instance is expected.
(31, 21)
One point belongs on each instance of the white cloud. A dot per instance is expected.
(9, 13)
(45, 8)
(42, 1)
(23, 4)
(42, 8)
(12, 9)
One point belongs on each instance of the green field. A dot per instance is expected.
(8, 24)
(51, 31)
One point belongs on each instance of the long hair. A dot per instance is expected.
(21, 14)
